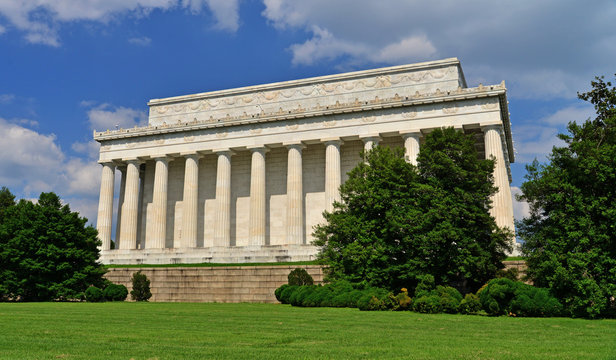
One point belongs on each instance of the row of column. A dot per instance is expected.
(128, 211)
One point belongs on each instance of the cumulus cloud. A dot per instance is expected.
(32, 162)
(90, 148)
(106, 116)
(140, 41)
(546, 49)
(42, 19)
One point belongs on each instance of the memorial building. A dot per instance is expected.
(243, 175)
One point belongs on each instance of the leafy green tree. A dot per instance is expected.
(47, 252)
(397, 222)
(570, 235)
(7, 199)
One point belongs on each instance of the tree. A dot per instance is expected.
(141, 287)
(397, 222)
(6, 201)
(47, 252)
(570, 234)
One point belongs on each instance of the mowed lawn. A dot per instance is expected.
(266, 331)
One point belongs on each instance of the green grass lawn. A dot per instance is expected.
(262, 331)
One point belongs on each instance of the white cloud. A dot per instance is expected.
(546, 49)
(105, 117)
(521, 209)
(577, 114)
(90, 149)
(31, 163)
(2, 29)
(141, 41)
(42, 19)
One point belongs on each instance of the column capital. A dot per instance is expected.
(415, 133)
(192, 154)
(486, 127)
(108, 163)
(295, 145)
(163, 158)
(224, 151)
(370, 137)
(332, 140)
(133, 161)
(258, 148)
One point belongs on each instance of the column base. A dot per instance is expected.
(217, 254)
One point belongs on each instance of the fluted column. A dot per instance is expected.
(122, 170)
(332, 173)
(222, 230)
(411, 146)
(128, 235)
(157, 233)
(295, 203)
(370, 142)
(502, 209)
(190, 201)
(105, 205)
(256, 231)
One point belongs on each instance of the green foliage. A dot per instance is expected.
(397, 221)
(428, 304)
(287, 292)
(300, 276)
(279, 291)
(115, 292)
(141, 287)
(430, 299)
(470, 304)
(374, 299)
(46, 251)
(570, 242)
(94, 294)
(402, 301)
(511, 274)
(507, 297)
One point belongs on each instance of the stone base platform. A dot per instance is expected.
(221, 255)
(225, 284)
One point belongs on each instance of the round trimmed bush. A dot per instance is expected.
(285, 294)
(115, 292)
(470, 304)
(94, 294)
(279, 291)
(300, 277)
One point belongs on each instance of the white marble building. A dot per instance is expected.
(243, 175)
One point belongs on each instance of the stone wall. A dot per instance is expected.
(225, 284)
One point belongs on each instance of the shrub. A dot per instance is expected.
(300, 277)
(285, 294)
(402, 301)
(497, 295)
(279, 291)
(94, 294)
(450, 298)
(428, 304)
(470, 304)
(503, 296)
(374, 299)
(511, 274)
(141, 287)
(115, 292)
(302, 293)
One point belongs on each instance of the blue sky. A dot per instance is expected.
(68, 67)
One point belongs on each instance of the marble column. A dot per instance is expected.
(140, 237)
(502, 209)
(222, 230)
(122, 170)
(128, 235)
(257, 225)
(157, 233)
(105, 205)
(295, 196)
(332, 173)
(190, 201)
(411, 146)
(370, 142)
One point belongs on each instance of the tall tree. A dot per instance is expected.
(47, 252)
(570, 235)
(397, 221)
